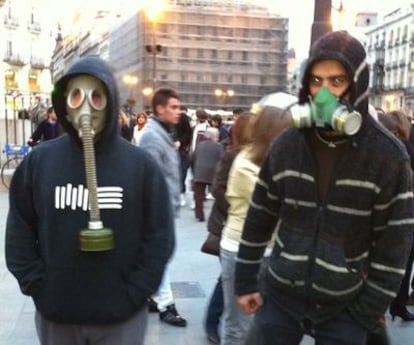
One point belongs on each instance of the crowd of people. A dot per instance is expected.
(312, 218)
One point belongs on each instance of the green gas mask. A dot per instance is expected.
(324, 110)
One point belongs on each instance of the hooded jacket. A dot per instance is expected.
(349, 250)
(49, 207)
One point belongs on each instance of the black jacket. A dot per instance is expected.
(346, 251)
(49, 207)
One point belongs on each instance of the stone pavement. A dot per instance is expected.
(193, 276)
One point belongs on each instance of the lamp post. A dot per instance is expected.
(153, 12)
(130, 81)
(321, 19)
(223, 94)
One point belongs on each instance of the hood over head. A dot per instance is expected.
(347, 50)
(96, 67)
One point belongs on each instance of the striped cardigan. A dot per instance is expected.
(346, 251)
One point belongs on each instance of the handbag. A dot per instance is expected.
(211, 245)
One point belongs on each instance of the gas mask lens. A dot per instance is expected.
(96, 98)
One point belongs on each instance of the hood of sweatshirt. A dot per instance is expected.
(98, 68)
(347, 50)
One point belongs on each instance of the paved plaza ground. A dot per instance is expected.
(193, 276)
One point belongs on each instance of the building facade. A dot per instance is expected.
(390, 48)
(25, 51)
(216, 54)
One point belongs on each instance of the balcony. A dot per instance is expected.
(14, 59)
(37, 62)
(34, 27)
(11, 22)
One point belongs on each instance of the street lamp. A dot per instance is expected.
(130, 81)
(153, 11)
(223, 94)
(147, 92)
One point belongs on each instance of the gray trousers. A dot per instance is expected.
(129, 332)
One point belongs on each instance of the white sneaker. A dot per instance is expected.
(183, 202)
(192, 205)
(209, 196)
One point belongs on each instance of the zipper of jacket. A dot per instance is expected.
(320, 223)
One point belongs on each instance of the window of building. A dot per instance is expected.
(200, 53)
(184, 52)
(245, 55)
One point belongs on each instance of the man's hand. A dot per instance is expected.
(251, 302)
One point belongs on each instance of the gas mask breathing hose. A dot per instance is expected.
(96, 238)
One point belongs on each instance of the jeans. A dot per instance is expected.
(164, 296)
(184, 165)
(272, 326)
(215, 308)
(236, 323)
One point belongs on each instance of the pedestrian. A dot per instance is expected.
(217, 219)
(47, 129)
(337, 193)
(183, 135)
(88, 286)
(216, 121)
(142, 119)
(399, 125)
(124, 125)
(243, 174)
(203, 165)
(157, 139)
(199, 128)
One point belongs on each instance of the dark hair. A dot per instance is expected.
(50, 110)
(269, 124)
(237, 111)
(161, 97)
(201, 115)
(218, 119)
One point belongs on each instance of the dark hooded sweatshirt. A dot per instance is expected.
(348, 249)
(48, 208)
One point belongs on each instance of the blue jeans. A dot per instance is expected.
(215, 308)
(272, 326)
(236, 323)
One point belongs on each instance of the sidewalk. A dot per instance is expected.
(193, 277)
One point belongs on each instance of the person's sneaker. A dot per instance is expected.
(213, 337)
(183, 202)
(171, 316)
(192, 205)
(152, 305)
(209, 196)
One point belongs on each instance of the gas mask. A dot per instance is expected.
(86, 102)
(86, 96)
(324, 110)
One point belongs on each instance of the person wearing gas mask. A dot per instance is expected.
(84, 237)
(337, 190)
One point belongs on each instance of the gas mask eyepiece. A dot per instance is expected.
(324, 110)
